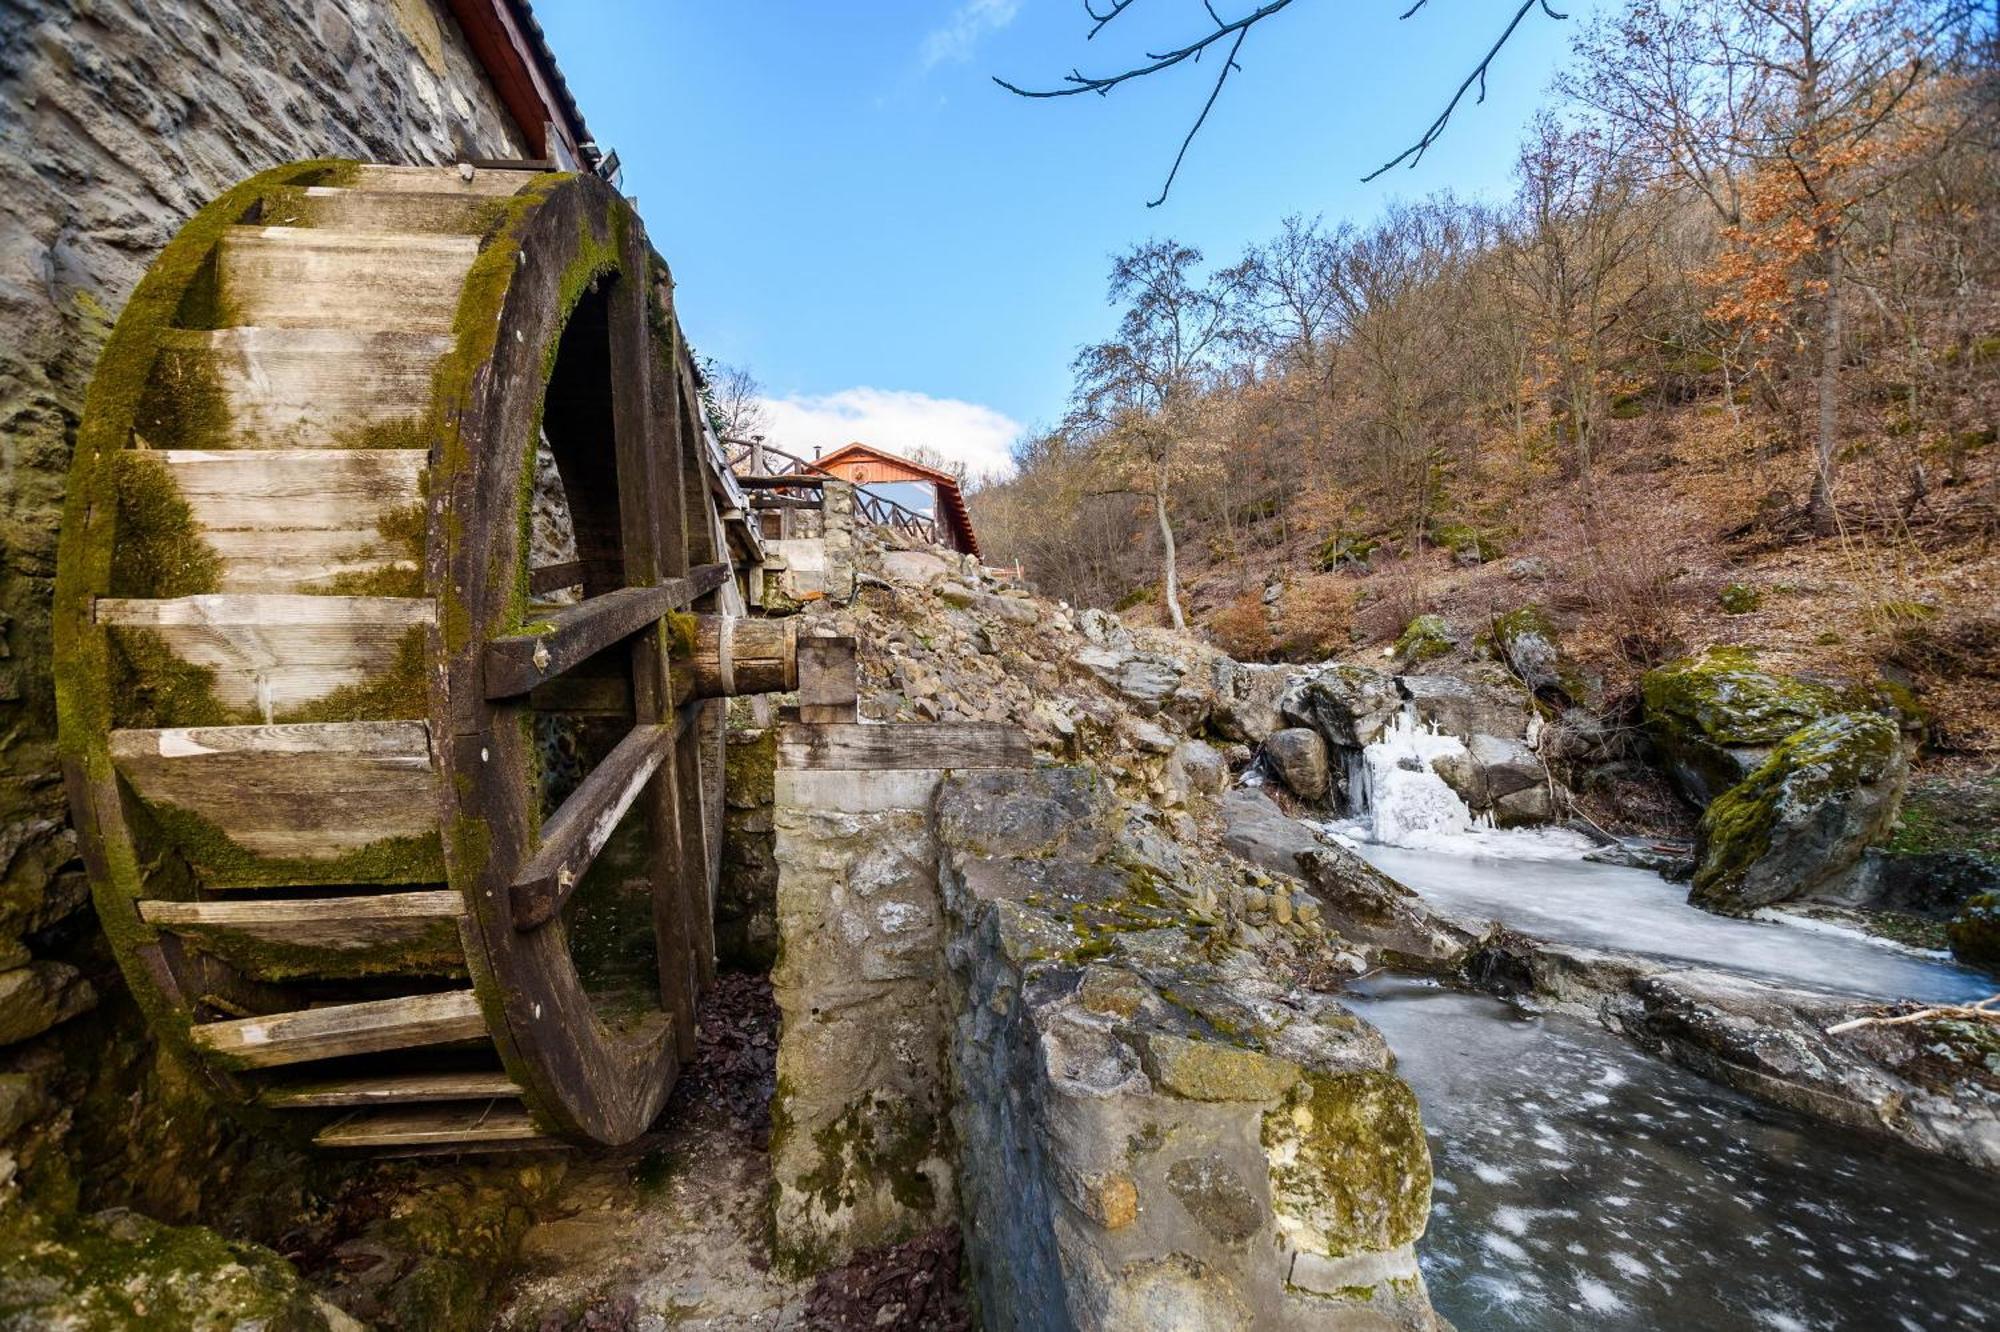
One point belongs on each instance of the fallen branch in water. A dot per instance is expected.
(1979, 1010)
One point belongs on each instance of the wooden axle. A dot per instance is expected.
(732, 654)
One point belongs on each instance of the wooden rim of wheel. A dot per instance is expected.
(296, 648)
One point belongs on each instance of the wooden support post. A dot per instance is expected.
(829, 687)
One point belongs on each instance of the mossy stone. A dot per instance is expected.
(1350, 1170)
(1209, 1071)
(1700, 710)
(1739, 599)
(1425, 639)
(1803, 817)
(1975, 932)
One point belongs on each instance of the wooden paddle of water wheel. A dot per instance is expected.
(394, 605)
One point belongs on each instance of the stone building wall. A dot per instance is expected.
(117, 121)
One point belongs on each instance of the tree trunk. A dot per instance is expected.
(1828, 441)
(1169, 567)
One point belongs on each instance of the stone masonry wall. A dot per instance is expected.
(859, 1144)
(1153, 1130)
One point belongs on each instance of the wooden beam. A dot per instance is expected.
(343, 1029)
(465, 1128)
(803, 480)
(554, 577)
(863, 747)
(517, 663)
(575, 834)
(392, 1089)
(829, 685)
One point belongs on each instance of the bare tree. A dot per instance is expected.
(1136, 391)
(735, 400)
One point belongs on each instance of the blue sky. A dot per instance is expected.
(901, 251)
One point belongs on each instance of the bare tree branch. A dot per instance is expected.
(1234, 31)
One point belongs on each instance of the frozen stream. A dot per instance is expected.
(1581, 1184)
(1609, 906)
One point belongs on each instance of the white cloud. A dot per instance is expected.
(898, 420)
(972, 20)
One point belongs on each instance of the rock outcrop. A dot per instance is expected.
(1153, 1132)
(1801, 820)
(1717, 716)
(1298, 755)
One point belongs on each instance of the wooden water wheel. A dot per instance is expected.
(398, 585)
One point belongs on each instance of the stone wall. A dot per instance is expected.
(118, 119)
(746, 903)
(859, 1145)
(1153, 1131)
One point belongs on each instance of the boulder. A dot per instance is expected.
(1141, 678)
(1975, 932)
(1365, 906)
(1465, 708)
(914, 566)
(1257, 832)
(1425, 639)
(1349, 706)
(1195, 768)
(38, 995)
(1526, 641)
(1716, 716)
(1801, 821)
(1246, 699)
(1490, 769)
(1104, 629)
(1298, 755)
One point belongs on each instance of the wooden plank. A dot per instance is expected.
(517, 663)
(299, 791)
(293, 388)
(829, 682)
(271, 653)
(546, 578)
(343, 1029)
(293, 277)
(578, 831)
(288, 490)
(390, 1089)
(333, 208)
(864, 746)
(279, 939)
(441, 179)
(472, 1129)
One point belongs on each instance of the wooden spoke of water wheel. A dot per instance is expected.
(312, 639)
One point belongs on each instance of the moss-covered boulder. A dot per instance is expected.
(1975, 932)
(1467, 544)
(1739, 599)
(1715, 717)
(1802, 819)
(1345, 552)
(1426, 639)
(1527, 641)
(119, 1270)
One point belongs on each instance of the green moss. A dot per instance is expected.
(1350, 1170)
(184, 406)
(153, 686)
(225, 863)
(1338, 550)
(1699, 708)
(177, 288)
(433, 950)
(1831, 756)
(1739, 599)
(127, 1273)
(1464, 539)
(399, 693)
(1943, 815)
(1975, 932)
(162, 552)
(1426, 639)
(877, 1142)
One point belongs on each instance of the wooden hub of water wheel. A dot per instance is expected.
(399, 585)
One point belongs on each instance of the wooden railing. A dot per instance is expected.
(776, 478)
